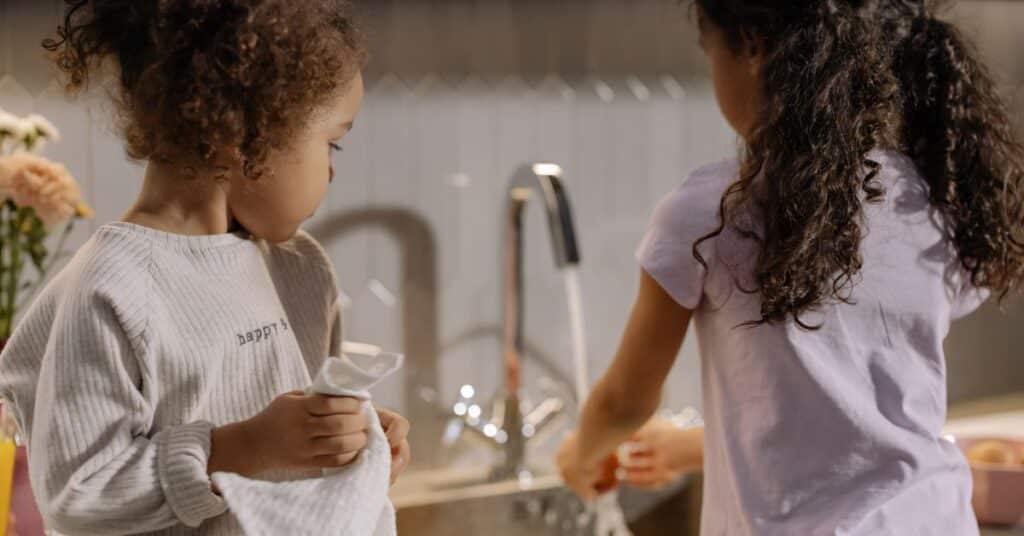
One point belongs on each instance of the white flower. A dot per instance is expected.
(14, 127)
(43, 127)
(7, 118)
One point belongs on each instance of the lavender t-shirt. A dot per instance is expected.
(835, 431)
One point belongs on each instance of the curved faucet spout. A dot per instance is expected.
(544, 182)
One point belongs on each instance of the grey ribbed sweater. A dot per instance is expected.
(141, 345)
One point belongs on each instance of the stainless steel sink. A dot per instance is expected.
(463, 502)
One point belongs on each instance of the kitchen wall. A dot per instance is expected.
(460, 93)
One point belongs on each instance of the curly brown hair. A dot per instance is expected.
(198, 80)
(844, 77)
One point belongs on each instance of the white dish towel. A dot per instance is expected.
(352, 501)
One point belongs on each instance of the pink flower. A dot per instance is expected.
(47, 187)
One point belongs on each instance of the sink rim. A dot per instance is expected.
(425, 488)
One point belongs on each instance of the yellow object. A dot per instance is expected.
(83, 211)
(993, 452)
(7, 453)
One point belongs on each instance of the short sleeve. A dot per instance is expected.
(968, 300)
(690, 212)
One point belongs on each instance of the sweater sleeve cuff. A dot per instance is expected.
(182, 456)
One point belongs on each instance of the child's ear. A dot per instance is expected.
(755, 63)
(754, 53)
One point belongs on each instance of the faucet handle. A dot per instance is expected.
(542, 416)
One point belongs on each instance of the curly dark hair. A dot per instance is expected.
(844, 77)
(197, 78)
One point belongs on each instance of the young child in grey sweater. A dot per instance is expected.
(177, 341)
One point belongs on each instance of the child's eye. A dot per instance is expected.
(335, 147)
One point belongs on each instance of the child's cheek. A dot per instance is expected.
(301, 183)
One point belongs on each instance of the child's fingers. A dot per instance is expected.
(402, 450)
(638, 463)
(344, 444)
(322, 405)
(397, 466)
(400, 460)
(634, 448)
(396, 429)
(406, 452)
(337, 425)
(335, 461)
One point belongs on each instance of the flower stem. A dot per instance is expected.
(14, 269)
(55, 255)
(6, 316)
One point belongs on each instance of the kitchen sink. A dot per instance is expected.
(455, 502)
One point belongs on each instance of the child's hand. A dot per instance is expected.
(396, 428)
(587, 482)
(300, 431)
(659, 454)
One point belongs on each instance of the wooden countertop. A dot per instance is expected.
(987, 406)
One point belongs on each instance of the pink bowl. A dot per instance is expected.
(998, 489)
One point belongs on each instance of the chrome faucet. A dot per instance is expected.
(510, 429)
(543, 182)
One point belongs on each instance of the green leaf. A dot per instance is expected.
(37, 252)
(37, 229)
